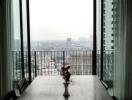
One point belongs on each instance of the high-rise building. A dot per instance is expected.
(108, 39)
(108, 21)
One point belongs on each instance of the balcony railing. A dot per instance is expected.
(50, 63)
(108, 66)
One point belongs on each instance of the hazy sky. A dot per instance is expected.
(59, 19)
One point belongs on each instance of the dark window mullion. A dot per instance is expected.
(102, 41)
(94, 38)
(21, 37)
(28, 40)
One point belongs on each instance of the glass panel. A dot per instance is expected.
(24, 16)
(17, 64)
(62, 25)
(98, 36)
(109, 46)
(17, 43)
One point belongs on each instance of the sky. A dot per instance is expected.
(60, 19)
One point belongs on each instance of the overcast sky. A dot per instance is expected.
(59, 19)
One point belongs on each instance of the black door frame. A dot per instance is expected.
(102, 36)
(94, 55)
(94, 64)
(28, 39)
(21, 37)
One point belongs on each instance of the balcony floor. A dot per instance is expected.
(81, 87)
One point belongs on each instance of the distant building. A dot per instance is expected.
(108, 36)
(108, 41)
(68, 43)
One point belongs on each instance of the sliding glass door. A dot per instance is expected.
(21, 52)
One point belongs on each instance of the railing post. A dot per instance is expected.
(63, 58)
(93, 63)
(35, 64)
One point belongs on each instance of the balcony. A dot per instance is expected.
(47, 63)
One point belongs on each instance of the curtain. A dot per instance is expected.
(123, 51)
(5, 46)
